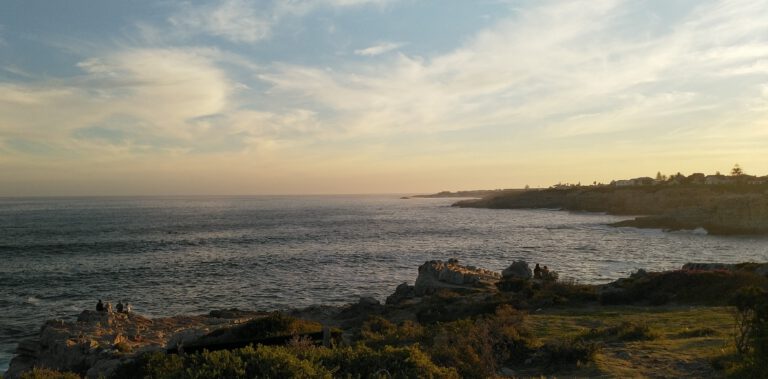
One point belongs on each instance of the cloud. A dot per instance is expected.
(379, 49)
(243, 21)
(561, 68)
(149, 92)
(235, 20)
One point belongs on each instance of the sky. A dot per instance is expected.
(238, 97)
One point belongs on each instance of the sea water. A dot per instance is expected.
(171, 255)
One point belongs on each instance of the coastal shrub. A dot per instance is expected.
(751, 337)
(378, 332)
(713, 287)
(566, 291)
(477, 348)
(44, 373)
(566, 352)
(359, 361)
(625, 331)
(697, 332)
(276, 324)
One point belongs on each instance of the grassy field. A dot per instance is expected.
(642, 341)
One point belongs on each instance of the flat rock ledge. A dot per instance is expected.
(98, 342)
(436, 275)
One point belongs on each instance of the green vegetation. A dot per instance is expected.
(751, 337)
(677, 323)
(682, 287)
(290, 362)
(41, 373)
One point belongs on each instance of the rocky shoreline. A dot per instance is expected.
(720, 210)
(99, 342)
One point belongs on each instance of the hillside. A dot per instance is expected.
(720, 209)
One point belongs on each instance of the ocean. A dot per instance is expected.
(171, 255)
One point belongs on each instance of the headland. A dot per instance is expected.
(454, 321)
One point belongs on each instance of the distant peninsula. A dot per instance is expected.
(720, 204)
(471, 193)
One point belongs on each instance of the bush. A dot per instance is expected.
(289, 362)
(626, 331)
(477, 348)
(276, 324)
(751, 335)
(567, 353)
(380, 332)
(682, 286)
(390, 362)
(44, 373)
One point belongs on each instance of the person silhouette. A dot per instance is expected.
(119, 306)
(537, 272)
(100, 306)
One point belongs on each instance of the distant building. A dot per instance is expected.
(717, 179)
(644, 181)
(697, 178)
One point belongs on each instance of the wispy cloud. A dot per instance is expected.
(379, 49)
(236, 20)
(248, 21)
(563, 75)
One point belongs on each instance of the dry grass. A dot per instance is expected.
(685, 339)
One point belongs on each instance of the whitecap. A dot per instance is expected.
(32, 300)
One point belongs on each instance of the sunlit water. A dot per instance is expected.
(190, 255)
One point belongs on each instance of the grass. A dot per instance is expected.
(640, 341)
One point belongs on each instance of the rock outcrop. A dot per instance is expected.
(517, 270)
(758, 268)
(436, 275)
(97, 342)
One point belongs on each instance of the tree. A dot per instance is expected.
(736, 170)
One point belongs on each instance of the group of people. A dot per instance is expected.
(107, 307)
(541, 272)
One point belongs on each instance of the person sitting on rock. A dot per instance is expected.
(544, 272)
(537, 272)
(127, 308)
(100, 306)
(108, 307)
(120, 306)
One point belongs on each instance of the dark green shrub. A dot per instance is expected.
(697, 332)
(477, 348)
(751, 336)
(566, 352)
(389, 362)
(380, 332)
(626, 331)
(44, 373)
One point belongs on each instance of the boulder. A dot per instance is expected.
(517, 270)
(436, 275)
(402, 293)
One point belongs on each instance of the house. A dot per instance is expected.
(697, 178)
(717, 179)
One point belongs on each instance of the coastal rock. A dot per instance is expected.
(718, 210)
(517, 270)
(403, 292)
(435, 275)
(758, 268)
(87, 346)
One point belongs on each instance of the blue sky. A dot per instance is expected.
(360, 96)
